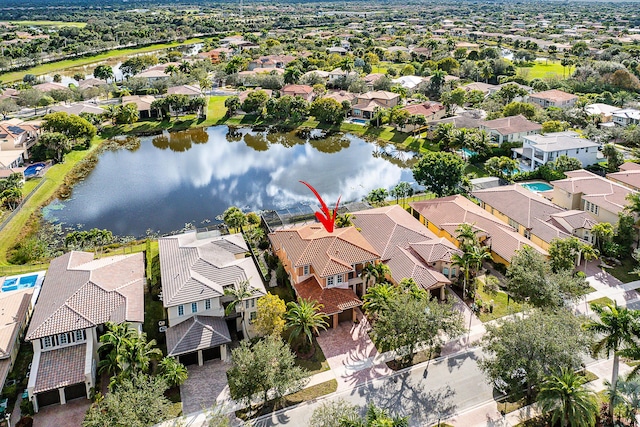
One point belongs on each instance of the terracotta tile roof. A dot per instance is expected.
(334, 300)
(427, 109)
(60, 368)
(573, 220)
(14, 307)
(378, 94)
(194, 268)
(595, 189)
(184, 90)
(554, 95)
(328, 253)
(447, 213)
(79, 292)
(439, 249)
(297, 89)
(510, 125)
(629, 177)
(197, 333)
(369, 105)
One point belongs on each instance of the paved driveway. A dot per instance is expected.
(205, 385)
(69, 415)
(350, 353)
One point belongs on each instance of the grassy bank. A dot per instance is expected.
(19, 224)
(69, 63)
(543, 69)
(57, 24)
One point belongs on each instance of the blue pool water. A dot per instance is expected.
(359, 121)
(33, 170)
(537, 187)
(468, 152)
(16, 283)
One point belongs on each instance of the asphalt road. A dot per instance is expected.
(425, 393)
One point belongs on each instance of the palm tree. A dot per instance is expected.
(304, 319)
(375, 417)
(115, 345)
(629, 390)
(344, 220)
(377, 272)
(111, 113)
(633, 207)
(173, 371)
(464, 262)
(616, 326)
(603, 231)
(378, 297)
(566, 398)
(239, 293)
(11, 197)
(477, 255)
(140, 353)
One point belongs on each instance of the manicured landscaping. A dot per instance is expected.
(623, 272)
(502, 305)
(602, 301)
(153, 312)
(68, 63)
(542, 69)
(317, 363)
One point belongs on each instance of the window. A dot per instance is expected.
(181, 310)
(80, 336)
(445, 271)
(330, 280)
(339, 278)
(246, 304)
(47, 342)
(453, 271)
(578, 151)
(253, 302)
(207, 304)
(252, 316)
(194, 307)
(305, 270)
(63, 339)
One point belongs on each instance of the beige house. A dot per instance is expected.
(367, 103)
(602, 198)
(408, 248)
(303, 91)
(79, 295)
(629, 175)
(510, 129)
(196, 269)
(325, 267)
(143, 103)
(553, 98)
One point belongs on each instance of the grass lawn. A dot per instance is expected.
(54, 177)
(215, 110)
(602, 301)
(622, 272)
(477, 170)
(501, 307)
(283, 292)
(68, 63)
(316, 364)
(541, 69)
(58, 24)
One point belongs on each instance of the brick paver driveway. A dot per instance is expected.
(69, 415)
(204, 385)
(350, 353)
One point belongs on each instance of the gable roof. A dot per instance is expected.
(426, 108)
(554, 95)
(79, 292)
(328, 253)
(184, 90)
(194, 268)
(378, 94)
(298, 89)
(510, 125)
(197, 333)
(334, 300)
(447, 213)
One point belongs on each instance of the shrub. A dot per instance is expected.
(26, 407)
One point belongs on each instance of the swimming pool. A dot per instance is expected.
(468, 153)
(359, 121)
(537, 187)
(20, 282)
(33, 170)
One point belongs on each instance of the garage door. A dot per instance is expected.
(75, 391)
(189, 359)
(48, 398)
(211, 353)
(345, 316)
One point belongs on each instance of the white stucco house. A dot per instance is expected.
(537, 150)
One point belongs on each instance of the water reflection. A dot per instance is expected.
(195, 175)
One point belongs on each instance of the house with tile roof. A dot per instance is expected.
(625, 117)
(325, 267)
(431, 111)
(196, 269)
(16, 137)
(553, 98)
(602, 198)
(368, 102)
(629, 175)
(79, 295)
(537, 150)
(303, 91)
(510, 129)
(533, 216)
(444, 215)
(408, 248)
(15, 310)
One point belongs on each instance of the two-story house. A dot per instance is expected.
(510, 129)
(537, 150)
(628, 175)
(533, 216)
(325, 267)
(79, 295)
(602, 198)
(553, 98)
(408, 248)
(625, 117)
(16, 137)
(15, 309)
(368, 102)
(444, 215)
(303, 91)
(196, 269)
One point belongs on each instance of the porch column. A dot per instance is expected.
(63, 400)
(442, 296)
(335, 320)
(223, 352)
(34, 401)
(354, 315)
(200, 360)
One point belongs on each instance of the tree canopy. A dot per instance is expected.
(441, 173)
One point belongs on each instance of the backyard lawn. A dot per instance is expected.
(501, 305)
(542, 69)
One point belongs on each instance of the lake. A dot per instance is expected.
(194, 175)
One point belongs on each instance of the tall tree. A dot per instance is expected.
(570, 403)
(239, 293)
(56, 142)
(615, 325)
(234, 218)
(304, 319)
(270, 315)
(439, 172)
